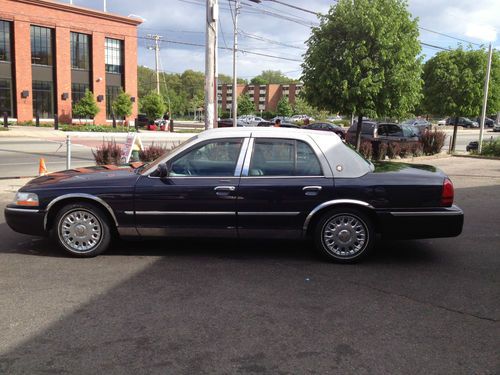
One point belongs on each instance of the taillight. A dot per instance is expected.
(447, 193)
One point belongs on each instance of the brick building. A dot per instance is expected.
(265, 97)
(50, 52)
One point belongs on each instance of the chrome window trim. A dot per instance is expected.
(78, 195)
(241, 157)
(186, 213)
(14, 209)
(332, 203)
(427, 213)
(279, 177)
(248, 157)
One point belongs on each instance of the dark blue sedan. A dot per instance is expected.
(243, 182)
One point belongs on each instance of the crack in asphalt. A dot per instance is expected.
(426, 303)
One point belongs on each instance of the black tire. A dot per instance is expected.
(82, 230)
(344, 223)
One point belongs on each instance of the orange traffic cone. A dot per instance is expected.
(42, 169)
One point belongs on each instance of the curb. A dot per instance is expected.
(478, 157)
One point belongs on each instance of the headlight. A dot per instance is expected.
(26, 199)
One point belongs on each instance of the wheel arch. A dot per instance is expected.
(56, 204)
(319, 210)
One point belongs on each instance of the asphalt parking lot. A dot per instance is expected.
(192, 306)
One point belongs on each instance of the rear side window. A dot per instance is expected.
(283, 157)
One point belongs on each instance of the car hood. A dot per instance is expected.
(108, 174)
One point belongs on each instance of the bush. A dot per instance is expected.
(417, 149)
(366, 149)
(491, 147)
(393, 150)
(433, 141)
(96, 128)
(108, 153)
(152, 152)
(268, 115)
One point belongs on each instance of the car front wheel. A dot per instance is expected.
(344, 235)
(82, 230)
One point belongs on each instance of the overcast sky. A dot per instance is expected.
(183, 21)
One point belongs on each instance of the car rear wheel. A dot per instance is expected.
(344, 235)
(82, 229)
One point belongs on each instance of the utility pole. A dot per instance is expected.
(104, 5)
(485, 100)
(234, 104)
(212, 14)
(156, 48)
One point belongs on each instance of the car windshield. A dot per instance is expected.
(152, 166)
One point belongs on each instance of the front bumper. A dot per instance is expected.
(25, 220)
(422, 223)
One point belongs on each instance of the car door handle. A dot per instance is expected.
(311, 190)
(225, 188)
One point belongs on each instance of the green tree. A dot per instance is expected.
(301, 107)
(122, 105)
(284, 108)
(245, 105)
(153, 106)
(271, 76)
(453, 83)
(86, 107)
(363, 59)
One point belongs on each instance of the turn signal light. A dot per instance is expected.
(447, 194)
(26, 199)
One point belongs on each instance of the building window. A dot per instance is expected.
(4, 41)
(111, 94)
(5, 97)
(80, 51)
(43, 99)
(77, 92)
(41, 45)
(113, 55)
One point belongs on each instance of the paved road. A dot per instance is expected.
(189, 307)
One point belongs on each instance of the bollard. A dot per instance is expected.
(5, 120)
(56, 121)
(113, 117)
(37, 119)
(136, 124)
(171, 126)
(68, 152)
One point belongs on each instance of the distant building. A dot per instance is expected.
(265, 97)
(50, 52)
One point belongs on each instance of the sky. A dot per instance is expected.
(287, 29)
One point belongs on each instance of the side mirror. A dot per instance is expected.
(164, 169)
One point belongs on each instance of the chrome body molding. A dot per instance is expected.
(427, 213)
(249, 213)
(30, 210)
(128, 231)
(183, 213)
(78, 195)
(332, 203)
(241, 157)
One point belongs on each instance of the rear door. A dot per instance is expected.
(281, 183)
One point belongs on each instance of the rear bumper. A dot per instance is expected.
(24, 220)
(406, 224)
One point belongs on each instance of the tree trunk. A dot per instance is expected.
(454, 139)
(358, 131)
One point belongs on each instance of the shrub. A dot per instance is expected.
(417, 149)
(393, 149)
(152, 152)
(433, 141)
(87, 106)
(108, 153)
(96, 128)
(366, 149)
(382, 151)
(491, 147)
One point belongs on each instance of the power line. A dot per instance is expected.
(263, 39)
(448, 36)
(434, 46)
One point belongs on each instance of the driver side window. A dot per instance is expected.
(213, 159)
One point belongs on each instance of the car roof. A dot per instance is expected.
(274, 132)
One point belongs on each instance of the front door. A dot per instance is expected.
(198, 198)
(282, 183)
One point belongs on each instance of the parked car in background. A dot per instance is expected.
(496, 128)
(298, 118)
(241, 183)
(472, 146)
(371, 130)
(462, 121)
(442, 122)
(324, 126)
(282, 119)
(421, 124)
(488, 122)
(249, 120)
(142, 120)
(334, 118)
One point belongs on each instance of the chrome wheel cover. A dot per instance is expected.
(344, 235)
(80, 231)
